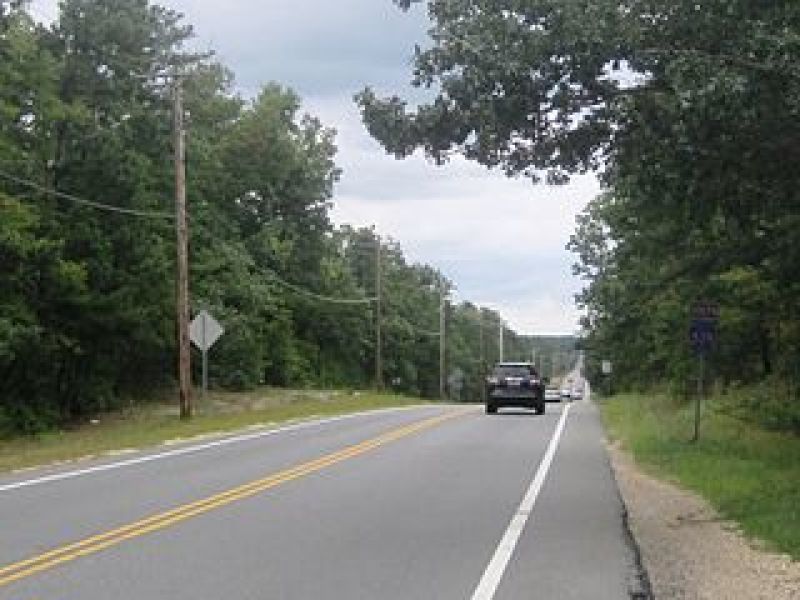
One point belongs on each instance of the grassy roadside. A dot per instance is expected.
(151, 424)
(749, 475)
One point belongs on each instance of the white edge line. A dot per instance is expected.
(494, 571)
(196, 448)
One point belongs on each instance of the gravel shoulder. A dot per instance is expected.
(689, 552)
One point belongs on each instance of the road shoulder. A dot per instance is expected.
(688, 552)
(576, 544)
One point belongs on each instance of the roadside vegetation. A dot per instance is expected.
(140, 425)
(87, 233)
(749, 474)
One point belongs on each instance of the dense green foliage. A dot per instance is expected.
(691, 111)
(87, 293)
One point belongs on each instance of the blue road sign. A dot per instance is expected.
(703, 327)
(702, 335)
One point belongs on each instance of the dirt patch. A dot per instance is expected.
(689, 552)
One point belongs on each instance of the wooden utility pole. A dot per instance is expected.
(181, 230)
(442, 340)
(482, 359)
(378, 316)
(698, 397)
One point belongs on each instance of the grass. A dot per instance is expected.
(750, 475)
(150, 424)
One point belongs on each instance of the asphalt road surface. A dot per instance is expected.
(435, 502)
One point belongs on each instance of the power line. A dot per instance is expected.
(315, 296)
(161, 215)
(83, 201)
(424, 332)
(412, 287)
(296, 288)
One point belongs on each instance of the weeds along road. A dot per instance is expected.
(428, 502)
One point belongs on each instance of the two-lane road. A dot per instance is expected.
(435, 502)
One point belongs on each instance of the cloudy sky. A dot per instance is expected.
(500, 241)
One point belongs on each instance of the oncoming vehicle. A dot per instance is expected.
(514, 384)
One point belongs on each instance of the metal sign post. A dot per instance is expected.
(204, 331)
(606, 368)
(698, 396)
(702, 336)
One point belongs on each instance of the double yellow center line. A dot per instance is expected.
(96, 543)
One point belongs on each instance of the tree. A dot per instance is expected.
(87, 232)
(85, 99)
(546, 85)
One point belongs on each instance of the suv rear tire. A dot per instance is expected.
(491, 409)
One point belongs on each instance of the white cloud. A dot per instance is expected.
(545, 314)
(502, 241)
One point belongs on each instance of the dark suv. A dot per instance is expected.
(514, 384)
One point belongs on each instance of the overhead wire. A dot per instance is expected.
(163, 215)
(425, 332)
(299, 289)
(315, 296)
(296, 289)
(85, 202)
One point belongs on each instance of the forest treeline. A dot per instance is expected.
(690, 112)
(702, 206)
(87, 236)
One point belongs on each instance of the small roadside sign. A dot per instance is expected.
(606, 367)
(204, 331)
(455, 383)
(706, 311)
(703, 327)
(702, 337)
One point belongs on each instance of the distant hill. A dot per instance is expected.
(554, 355)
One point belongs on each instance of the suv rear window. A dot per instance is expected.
(507, 371)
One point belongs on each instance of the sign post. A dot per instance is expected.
(204, 331)
(702, 336)
(606, 368)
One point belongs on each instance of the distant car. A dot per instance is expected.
(552, 395)
(514, 384)
(577, 393)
